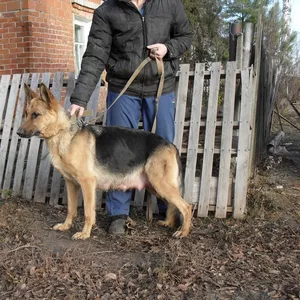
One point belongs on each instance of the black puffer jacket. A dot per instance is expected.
(118, 41)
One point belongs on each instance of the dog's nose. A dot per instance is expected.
(20, 132)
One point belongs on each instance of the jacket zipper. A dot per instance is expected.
(145, 51)
(142, 80)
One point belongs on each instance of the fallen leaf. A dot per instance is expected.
(110, 276)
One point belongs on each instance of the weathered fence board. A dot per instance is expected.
(209, 144)
(181, 105)
(8, 121)
(226, 141)
(213, 187)
(13, 146)
(14, 138)
(139, 197)
(192, 151)
(243, 156)
(31, 159)
(4, 84)
(44, 168)
(203, 135)
(67, 104)
(56, 177)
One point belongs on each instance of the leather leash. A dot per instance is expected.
(160, 71)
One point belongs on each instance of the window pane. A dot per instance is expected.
(77, 58)
(81, 51)
(79, 34)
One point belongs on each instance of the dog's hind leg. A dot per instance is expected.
(88, 186)
(172, 195)
(171, 216)
(163, 172)
(170, 220)
(72, 192)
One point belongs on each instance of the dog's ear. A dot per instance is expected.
(29, 93)
(46, 94)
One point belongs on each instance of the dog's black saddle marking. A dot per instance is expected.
(123, 149)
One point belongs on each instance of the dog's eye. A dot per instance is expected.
(34, 115)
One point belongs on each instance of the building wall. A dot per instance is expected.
(38, 35)
(14, 39)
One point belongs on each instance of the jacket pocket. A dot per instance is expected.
(110, 64)
(175, 65)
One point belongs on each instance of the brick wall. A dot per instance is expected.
(37, 35)
(13, 37)
(50, 26)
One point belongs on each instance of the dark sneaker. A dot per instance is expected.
(117, 225)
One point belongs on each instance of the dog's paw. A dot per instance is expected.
(80, 236)
(166, 224)
(61, 227)
(180, 234)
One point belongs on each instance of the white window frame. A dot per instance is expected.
(86, 25)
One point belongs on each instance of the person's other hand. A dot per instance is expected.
(77, 110)
(157, 50)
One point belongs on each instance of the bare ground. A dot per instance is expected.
(257, 258)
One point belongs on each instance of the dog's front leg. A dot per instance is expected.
(73, 192)
(88, 186)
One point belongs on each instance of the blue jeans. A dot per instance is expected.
(126, 112)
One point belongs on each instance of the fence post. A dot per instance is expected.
(243, 156)
(256, 79)
(248, 40)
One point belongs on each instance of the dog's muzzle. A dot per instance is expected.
(22, 133)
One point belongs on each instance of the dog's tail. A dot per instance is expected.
(180, 173)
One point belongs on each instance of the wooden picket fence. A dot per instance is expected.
(213, 141)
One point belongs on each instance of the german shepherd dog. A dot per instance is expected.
(108, 158)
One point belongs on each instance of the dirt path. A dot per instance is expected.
(258, 258)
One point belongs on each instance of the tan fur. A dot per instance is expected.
(73, 154)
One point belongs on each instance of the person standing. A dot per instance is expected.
(122, 35)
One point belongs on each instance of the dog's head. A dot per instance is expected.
(41, 113)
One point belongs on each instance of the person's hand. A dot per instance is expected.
(77, 110)
(157, 50)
